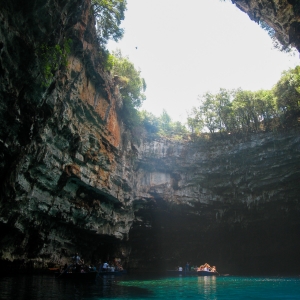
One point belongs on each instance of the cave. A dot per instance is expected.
(73, 179)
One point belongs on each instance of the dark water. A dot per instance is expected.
(162, 288)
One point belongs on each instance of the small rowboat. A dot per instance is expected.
(207, 273)
(183, 272)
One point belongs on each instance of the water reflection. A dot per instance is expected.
(50, 288)
(108, 287)
(156, 287)
(207, 286)
(29, 287)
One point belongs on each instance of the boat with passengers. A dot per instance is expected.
(207, 270)
(81, 271)
(203, 270)
(88, 275)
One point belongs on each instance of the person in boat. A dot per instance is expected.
(206, 267)
(213, 269)
(76, 259)
(92, 268)
(200, 268)
(105, 267)
(118, 266)
(187, 267)
(194, 268)
(77, 262)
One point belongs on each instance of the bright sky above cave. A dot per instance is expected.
(186, 48)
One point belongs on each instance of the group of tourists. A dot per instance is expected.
(205, 267)
(78, 266)
(112, 266)
(187, 268)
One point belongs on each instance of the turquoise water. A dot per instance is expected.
(215, 288)
(161, 288)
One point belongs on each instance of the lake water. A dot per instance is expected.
(154, 287)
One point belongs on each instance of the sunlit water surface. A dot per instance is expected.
(138, 287)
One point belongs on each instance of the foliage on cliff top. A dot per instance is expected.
(234, 111)
(109, 15)
(132, 85)
(162, 125)
(239, 111)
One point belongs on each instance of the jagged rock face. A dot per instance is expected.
(282, 15)
(72, 179)
(231, 201)
(63, 167)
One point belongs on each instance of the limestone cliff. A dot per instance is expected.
(281, 15)
(233, 201)
(64, 173)
(72, 179)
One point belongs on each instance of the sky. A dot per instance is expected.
(186, 48)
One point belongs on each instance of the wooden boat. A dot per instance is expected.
(77, 275)
(116, 272)
(207, 273)
(183, 272)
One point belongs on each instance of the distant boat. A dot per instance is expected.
(207, 270)
(207, 273)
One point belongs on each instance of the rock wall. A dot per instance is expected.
(72, 179)
(231, 201)
(64, 167)
(281, 15)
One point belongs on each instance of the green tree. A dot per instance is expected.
(250, 111)
(265, 109)
(178, 128)
(162, 125)
(149, 121)
(254, 111)
(165, 122)
(208, 113)
(132, 85)
(243, 109)
(222, 103)
(287, 90)
(195, 121)
(109, 15)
